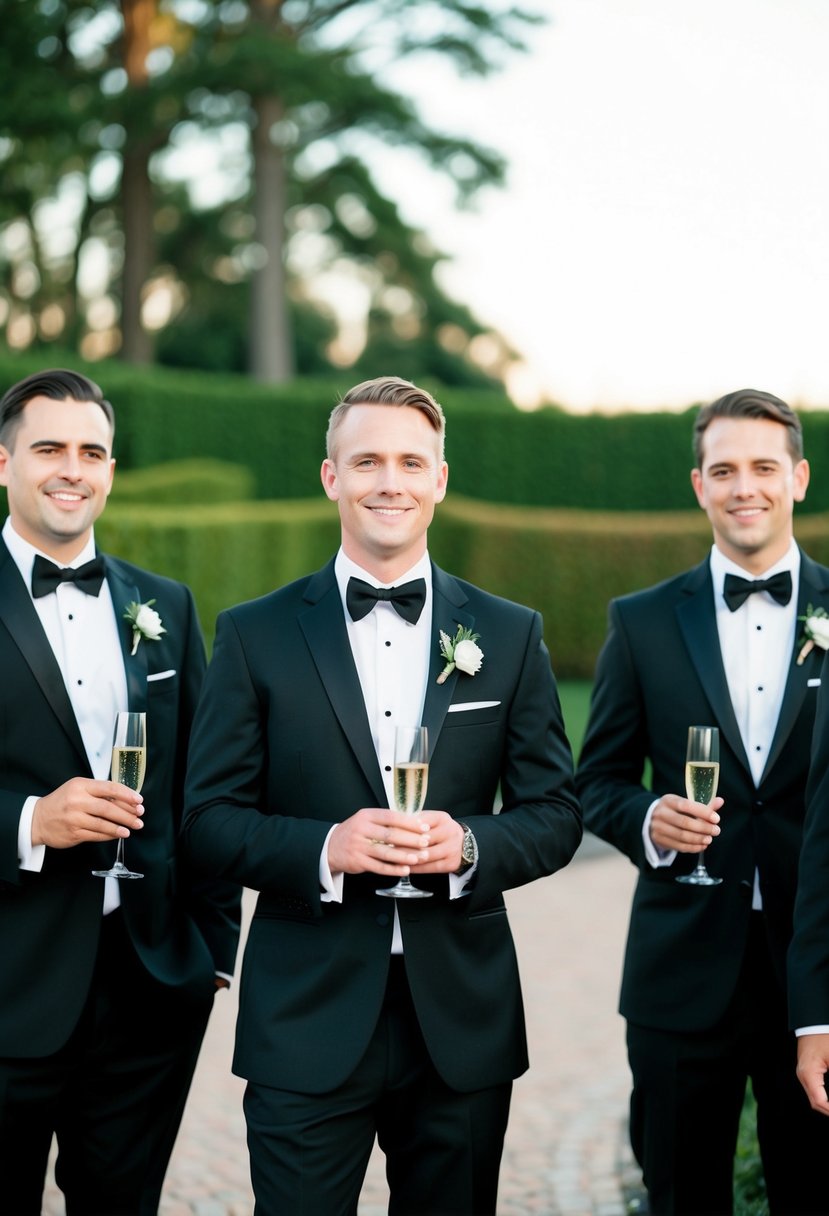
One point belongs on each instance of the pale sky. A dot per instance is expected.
(664, 234)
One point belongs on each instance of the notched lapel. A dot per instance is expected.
(698, 625)
(323, 625)
(23, 623)
(447, 613)
(814, 590)
(124, 592)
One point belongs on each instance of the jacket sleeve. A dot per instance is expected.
(213, 904)
(612, 765)
(808, 959)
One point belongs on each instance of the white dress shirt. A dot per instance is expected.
(756, 644)
(392, 658)
(82, 631)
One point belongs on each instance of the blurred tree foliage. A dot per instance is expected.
(190, 180)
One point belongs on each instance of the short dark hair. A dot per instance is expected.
(387, 390)
(57, 383)
(749, 403)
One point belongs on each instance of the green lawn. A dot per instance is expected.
(575, 703)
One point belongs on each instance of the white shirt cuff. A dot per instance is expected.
(458, 882)
(654, 855)
(331, 885)
(812, 1030)
(30, 856)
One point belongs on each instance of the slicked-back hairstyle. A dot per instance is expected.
(749, 403)
(57, 383)
(386, 390)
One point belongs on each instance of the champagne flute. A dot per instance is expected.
(702, 774)
(129, 763)
(410, 778)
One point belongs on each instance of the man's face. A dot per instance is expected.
(747, 486)
(59, 473)
(386, 476)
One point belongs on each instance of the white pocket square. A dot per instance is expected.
(161, 675)
(813, 683)
(464, 705)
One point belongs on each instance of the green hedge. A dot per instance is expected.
(631, 461)
(184, 481)
(177, 482)
(565, 564)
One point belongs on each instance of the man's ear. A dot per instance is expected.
(699, 489)
(328, 476)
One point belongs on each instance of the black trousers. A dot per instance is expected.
(688, 1092)
(309, 1152)
(113, 1095)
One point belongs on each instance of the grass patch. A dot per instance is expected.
(575, 705)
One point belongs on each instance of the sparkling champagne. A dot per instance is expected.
(129, 765)
(701, 778)
(410, 787)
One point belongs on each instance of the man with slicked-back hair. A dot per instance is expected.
(105, 984)
(703, 989)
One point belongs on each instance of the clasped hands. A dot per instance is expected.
(684, 825)
(388, 842)
(82, 810)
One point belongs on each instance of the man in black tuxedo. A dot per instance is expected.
(703, 989)
(360, 1015)
(105, 987)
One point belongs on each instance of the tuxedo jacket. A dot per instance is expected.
(183, 930)
(659, 672)
(809, 950)
(282, 749)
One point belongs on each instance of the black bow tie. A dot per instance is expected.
(407, 600)
(46, 576)
(736, 590)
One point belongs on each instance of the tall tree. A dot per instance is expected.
(136, 187)
(309, 82)
(316, 73)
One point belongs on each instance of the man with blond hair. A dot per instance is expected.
(359, 1015)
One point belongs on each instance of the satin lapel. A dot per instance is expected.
(323, 625)
(447, 613)
(698, 624)
(124, 591)
(814, 590)
(23, 623)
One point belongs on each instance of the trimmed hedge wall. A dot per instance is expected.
(567, 564)
(622, 462)
(184, 481)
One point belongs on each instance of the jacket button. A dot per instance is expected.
(383, 919)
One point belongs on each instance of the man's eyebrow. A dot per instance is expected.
(60, 443)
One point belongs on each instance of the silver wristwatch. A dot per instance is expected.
(469, 850)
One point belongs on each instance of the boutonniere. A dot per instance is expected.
(815, 631)
(461, 652)
(145, 621)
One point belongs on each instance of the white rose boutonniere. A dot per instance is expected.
(815, 631)
(461, 652)
(145, 621)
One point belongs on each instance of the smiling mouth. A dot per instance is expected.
(66, 496)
